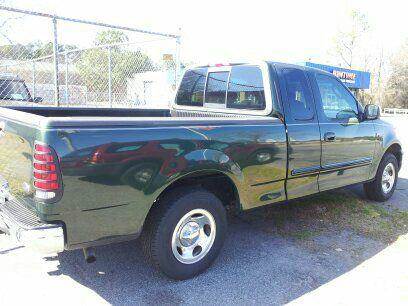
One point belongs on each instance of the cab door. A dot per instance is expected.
(303, 135)
(348, 143)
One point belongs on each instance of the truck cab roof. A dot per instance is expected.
(232, 88)
(272, 63)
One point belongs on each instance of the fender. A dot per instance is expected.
(386, 138)
(203, 161)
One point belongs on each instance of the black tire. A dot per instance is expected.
(162, 221)
(373, 189)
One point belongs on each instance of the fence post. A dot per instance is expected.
(55, 47)
(66, 78)
(110, 75)
(34, 79)
(178, 62)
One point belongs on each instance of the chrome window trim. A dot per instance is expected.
(207, 107)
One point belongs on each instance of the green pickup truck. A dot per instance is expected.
(237, 136)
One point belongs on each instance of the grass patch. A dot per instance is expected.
(304, 234)
(336, 210)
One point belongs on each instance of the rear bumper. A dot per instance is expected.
(26, 229)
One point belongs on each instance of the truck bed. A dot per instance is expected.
(61, 117)
(114, 162)
(91, 112)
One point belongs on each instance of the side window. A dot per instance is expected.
(337, 102)
(191, 90)
(245, 88)
(216, 87)
(299, 95)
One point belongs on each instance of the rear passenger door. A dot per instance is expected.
(304, 146)
(348, 143)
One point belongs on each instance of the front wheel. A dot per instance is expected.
(383, 186)
(185, 232)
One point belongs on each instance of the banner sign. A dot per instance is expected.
(355, 79)
(347, 77)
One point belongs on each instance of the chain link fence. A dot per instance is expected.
(53, 60)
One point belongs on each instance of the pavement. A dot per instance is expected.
(256, 267)
(381, 280)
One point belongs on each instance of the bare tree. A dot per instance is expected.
(348, 40)
(379, 73)
(5, 22)
(397, 85)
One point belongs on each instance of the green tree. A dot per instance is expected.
(33, 50)
(110, 37)
(93, 64)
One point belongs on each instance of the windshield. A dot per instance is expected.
(14, 90)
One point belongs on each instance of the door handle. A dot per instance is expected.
(329, 136)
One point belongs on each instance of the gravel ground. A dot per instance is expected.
(257, 266)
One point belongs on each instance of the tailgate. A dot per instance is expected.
(16, 143)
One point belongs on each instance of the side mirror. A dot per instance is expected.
(37, 99)
(372, 112)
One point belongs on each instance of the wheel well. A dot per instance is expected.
(396, 150)
(217, 183)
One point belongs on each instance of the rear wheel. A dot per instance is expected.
(383, 186)
(185, 232)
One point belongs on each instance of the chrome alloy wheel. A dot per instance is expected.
(193, 236)
(388, 178)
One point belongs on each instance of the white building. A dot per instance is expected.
(152, 89)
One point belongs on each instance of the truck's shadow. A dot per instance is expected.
(267, 257)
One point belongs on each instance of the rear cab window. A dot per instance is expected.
(246, 90)
(231, 89)
(191, 90)
(216, 89)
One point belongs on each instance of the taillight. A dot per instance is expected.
(42, 148)
(45, 167)
(46, 185)
(47, 157)
(47, 177)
